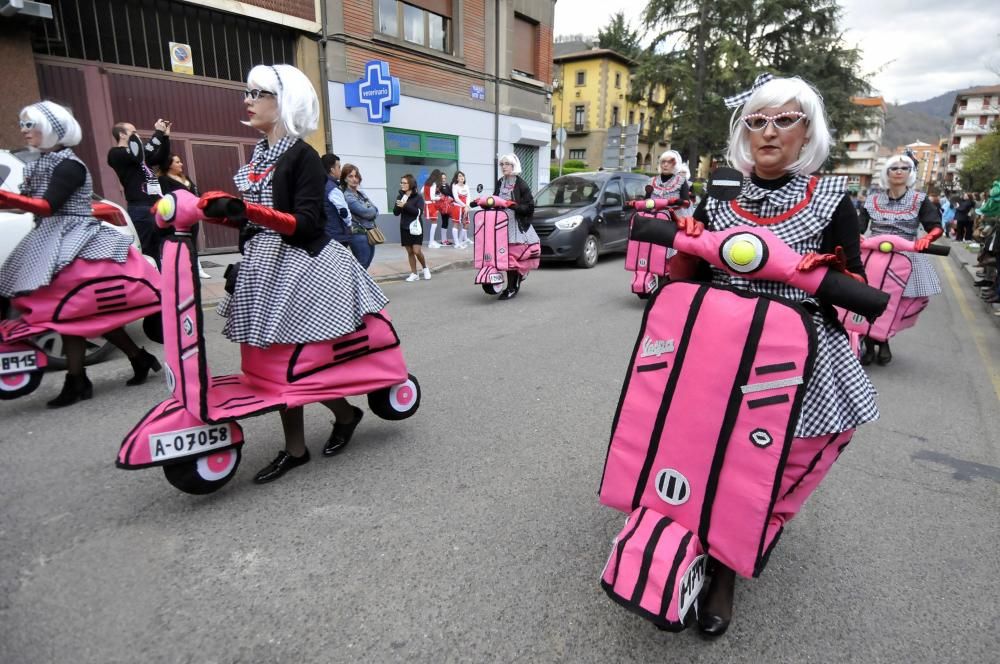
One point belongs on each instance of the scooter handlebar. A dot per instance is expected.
(888, 243)
(652, 204)
(756, 253)
(487, 202)
(178, 209)
(937, 250)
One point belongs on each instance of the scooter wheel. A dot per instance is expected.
(492, 289)
(204, 474)
(13, 386)
(397, 402)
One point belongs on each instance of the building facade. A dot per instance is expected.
(111, 61)
(861, 164)
(473, 80)
(591, 88)
(973, 115)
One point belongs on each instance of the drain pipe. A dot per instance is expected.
(496, 90)
(324, 39)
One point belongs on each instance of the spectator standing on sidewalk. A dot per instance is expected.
(409, 204)
(963, 218)
(443, 201)
(134, 164)
(430, 206)
(338, 214)
(173, 178)
(460, 210)
(363, 214)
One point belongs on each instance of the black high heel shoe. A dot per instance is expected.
(76, 388)
(142, 364)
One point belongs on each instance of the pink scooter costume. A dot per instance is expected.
(715, 461)
(900, 217)
(70, 274)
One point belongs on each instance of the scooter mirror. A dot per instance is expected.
(725, 183)
(479, 188)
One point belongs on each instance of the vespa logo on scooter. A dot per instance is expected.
(656, 347)
(672, 487)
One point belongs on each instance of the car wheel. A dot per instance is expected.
(588, 257)
(204, 474)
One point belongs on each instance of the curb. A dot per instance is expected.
(964, 259)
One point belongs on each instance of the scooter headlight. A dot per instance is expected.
(166, 207)
(885, 247)
(569, 223)
(743, 253)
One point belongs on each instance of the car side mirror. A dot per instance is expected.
(479, 188)
(611, 200)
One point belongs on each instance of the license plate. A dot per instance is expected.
(189, 441)
(496, 278)
(18, 362)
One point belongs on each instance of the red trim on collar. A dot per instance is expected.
(916, 204)
(769, 221)
(257, 177)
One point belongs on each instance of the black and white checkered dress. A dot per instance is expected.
(839, 395)
(57, 240)
(900, 217)
(283, 295)
(514, 233)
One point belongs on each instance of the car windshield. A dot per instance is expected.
(568, 192)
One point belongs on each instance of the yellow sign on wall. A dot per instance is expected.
(181, 58)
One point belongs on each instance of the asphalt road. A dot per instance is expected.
(472, 531)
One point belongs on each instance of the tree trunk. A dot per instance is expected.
(694, 138)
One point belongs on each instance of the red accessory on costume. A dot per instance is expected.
(219, 207)
(691, 226)
(219, 204)
(38, 206)
(925, 241)
(835, 261)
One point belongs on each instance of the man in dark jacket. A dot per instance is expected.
(136, 165)
(338, 215)
(963, 218)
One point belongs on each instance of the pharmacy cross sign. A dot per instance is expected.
(376, 91)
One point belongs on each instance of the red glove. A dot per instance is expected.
(835, 261)
(37, 206)
(691, 226)
(926, 240)
(219, 205)
(282, 222)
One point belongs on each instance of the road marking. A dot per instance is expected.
(977, 334)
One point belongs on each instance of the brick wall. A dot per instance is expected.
(545, 53)
(299, 8)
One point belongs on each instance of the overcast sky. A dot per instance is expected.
(924, 47)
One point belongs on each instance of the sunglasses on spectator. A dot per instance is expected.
(899, 169)
(783, 121)
(27, 124)
(255, 94)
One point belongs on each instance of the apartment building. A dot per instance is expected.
(861, 163)
(458, 82)
(117, 60)
(591, 88)
(973, 115)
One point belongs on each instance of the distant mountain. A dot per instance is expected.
(903, 125)
(938, 107)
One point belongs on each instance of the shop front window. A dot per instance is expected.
(417, 153)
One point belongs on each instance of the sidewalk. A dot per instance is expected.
(390, 264)
(965, 258)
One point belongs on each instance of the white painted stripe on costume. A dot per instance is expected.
(771, 384)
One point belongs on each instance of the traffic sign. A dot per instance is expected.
(561, 135)
(559, 151)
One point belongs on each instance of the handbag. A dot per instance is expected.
(375, 235)
(415, 227)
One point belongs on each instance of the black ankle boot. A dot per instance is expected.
(884, 354)
(141, 365)
(867, 351)
(716, 610)
(513, 285)
(76, 388)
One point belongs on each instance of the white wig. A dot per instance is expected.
(675, 155)
(903, 160)
(57, 124)
(777, 92)
(298, 106)
(514, 161)
(683, 170)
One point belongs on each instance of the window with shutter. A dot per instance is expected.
(526, 51)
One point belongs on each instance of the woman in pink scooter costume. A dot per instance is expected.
(900, 210)
(779, 138)
(672, 180)
(294, 285)
(57, 189)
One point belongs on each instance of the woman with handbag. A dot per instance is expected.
(363, 215)
(409, 204)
